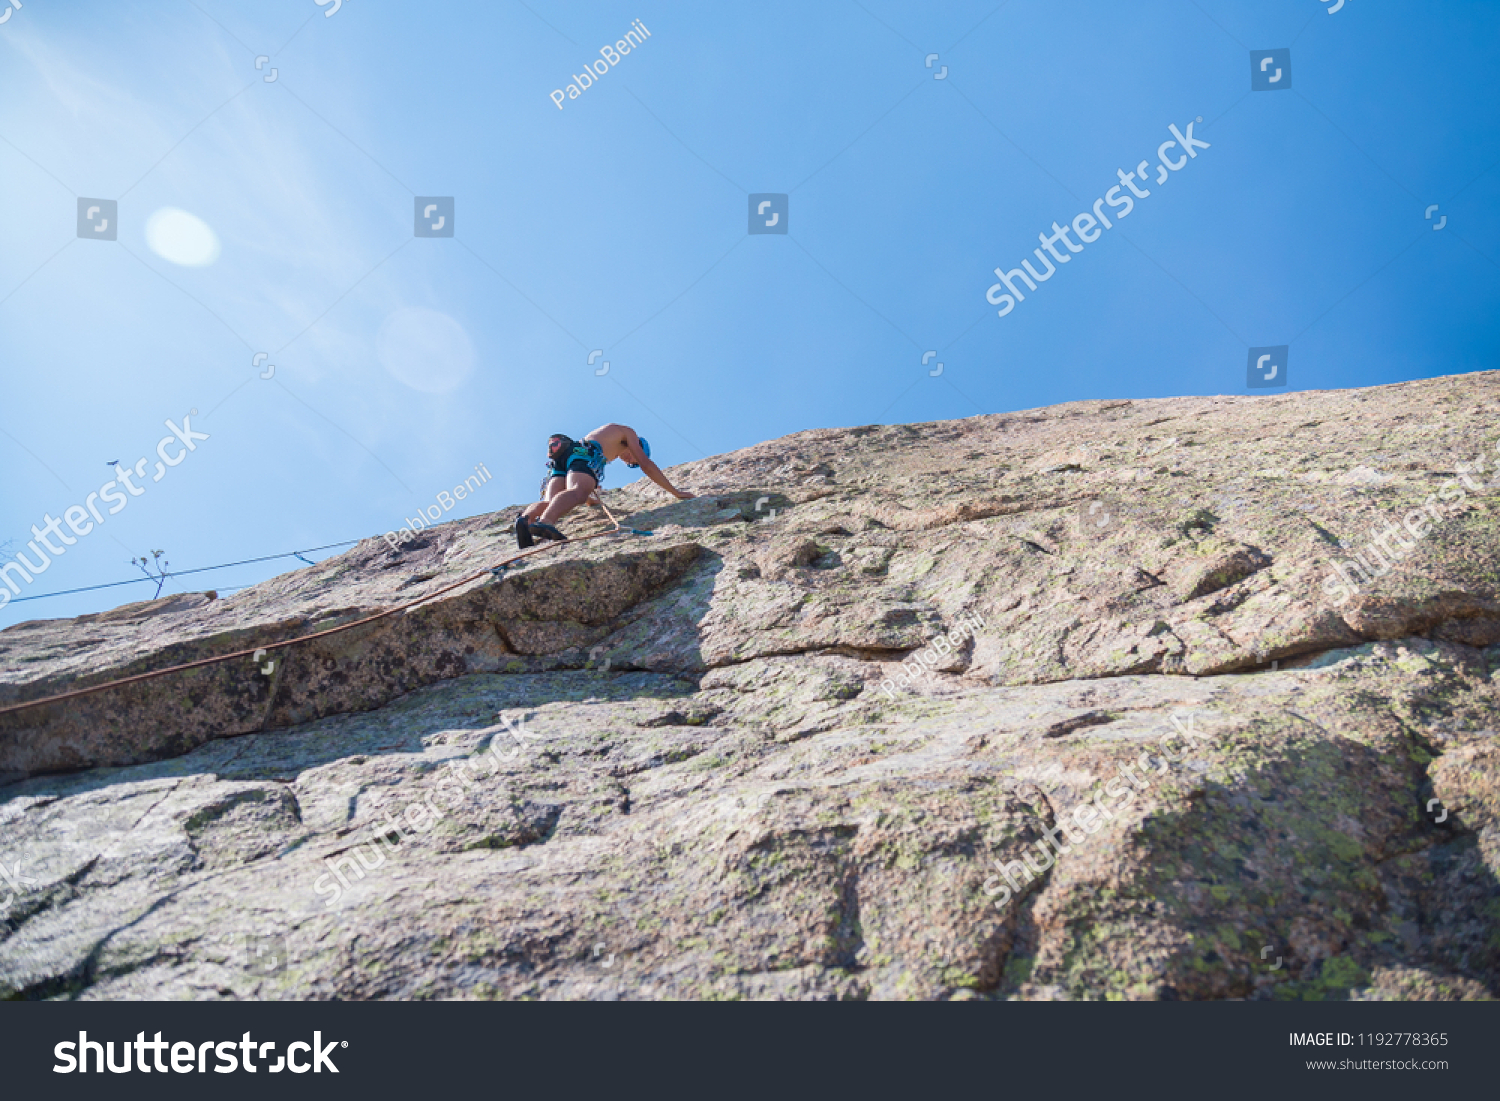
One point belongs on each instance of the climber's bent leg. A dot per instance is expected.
(558, 505)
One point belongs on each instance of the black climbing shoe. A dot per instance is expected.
(523, 533)
(547, 531)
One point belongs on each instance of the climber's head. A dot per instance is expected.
(646, 448)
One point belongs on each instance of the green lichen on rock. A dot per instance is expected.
(857, 750)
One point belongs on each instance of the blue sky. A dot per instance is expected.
(619, 223)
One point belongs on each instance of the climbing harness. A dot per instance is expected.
(564, 451)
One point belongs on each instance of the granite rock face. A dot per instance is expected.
(1129, 699)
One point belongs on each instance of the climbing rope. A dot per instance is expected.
(616, 523)
(497, 571)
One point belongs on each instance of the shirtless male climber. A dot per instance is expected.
(575, 469)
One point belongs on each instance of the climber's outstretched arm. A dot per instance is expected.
(652, 471)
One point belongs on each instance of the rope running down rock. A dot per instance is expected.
(496, 570)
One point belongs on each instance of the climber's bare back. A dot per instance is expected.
(619, 441)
